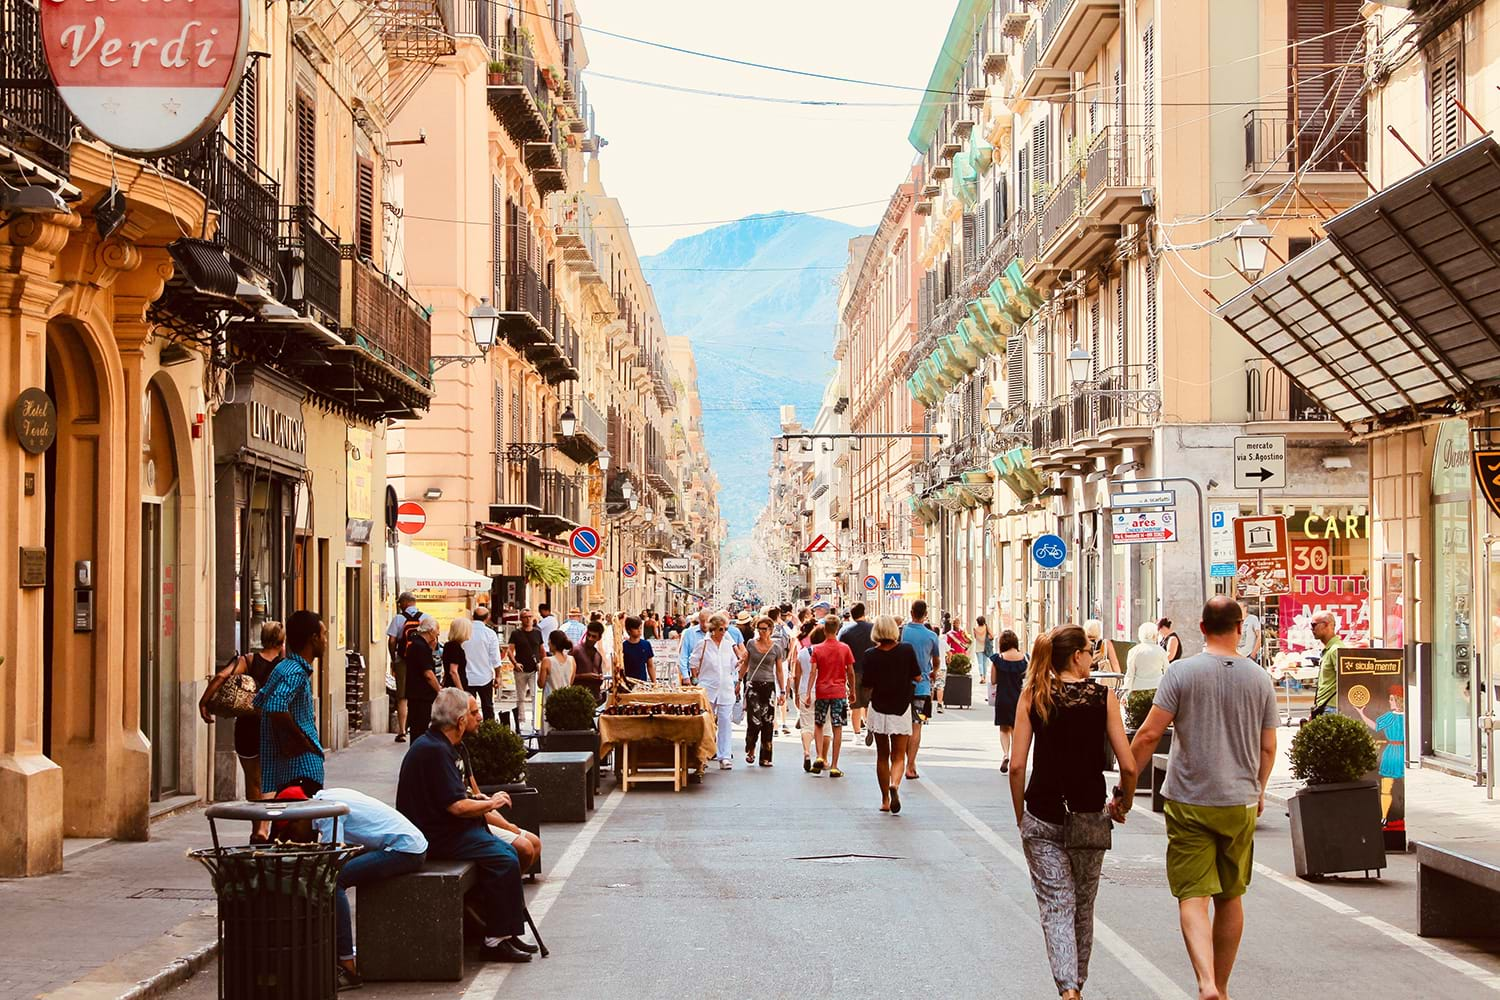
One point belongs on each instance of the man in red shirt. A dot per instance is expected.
(833, 674)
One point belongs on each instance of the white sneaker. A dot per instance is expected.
(726, 765)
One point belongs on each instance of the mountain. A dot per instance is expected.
(758, 299)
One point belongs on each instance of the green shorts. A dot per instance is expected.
(1210, 850)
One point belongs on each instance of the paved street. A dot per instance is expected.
(774, 883)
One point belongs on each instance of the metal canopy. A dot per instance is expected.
(1397, 313)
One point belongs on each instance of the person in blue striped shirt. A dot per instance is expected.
(290, 751)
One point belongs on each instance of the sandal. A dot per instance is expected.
(807, 764)
(818, 766)
(750, 758)
(1005, 766)
(834, 772)
(895, 800)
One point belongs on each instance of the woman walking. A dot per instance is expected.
(1066, 716)
(558, 668)
(985, 638)
(1008, 671)
(810, 635)
(762, 675)
(1144, 664)
(715, 668)
(890, 676)
(247, 727)
(455, 657)
(1169, 640)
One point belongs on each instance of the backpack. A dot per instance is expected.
(408, 630)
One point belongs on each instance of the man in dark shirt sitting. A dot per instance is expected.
(431, 793)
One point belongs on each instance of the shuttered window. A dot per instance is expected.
(307, 150)
(971, 241)
(1122, 322)
(247, 112)
(1023, 181)
(1444, 94)
(515, 411)
(1001, 202)
(1325, 97)
(1148, 98)
(499, 419)
(1119, 101)
(1043, 364)
(1096, 339)
(1153, 340)
(512, 252)
(1015, 371)
(364, 193)
(1041, 168)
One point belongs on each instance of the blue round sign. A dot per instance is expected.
(584, 542)
(628, 570)
(871, 583)
(1049, 551)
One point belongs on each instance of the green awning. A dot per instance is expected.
(946, 71)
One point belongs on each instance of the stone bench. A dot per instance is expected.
(1458, 889)
(411, 927)
(1158, 779)
(564, 785)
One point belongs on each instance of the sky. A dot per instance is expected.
(684, 158)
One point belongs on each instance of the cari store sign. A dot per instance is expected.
(146, 76)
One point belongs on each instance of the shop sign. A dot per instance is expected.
(1144, 527)
(1372, 688)
(35, 420)
(1450, 459)
(1339, 524)
(1262, 556)
(146, 76)
(1346, 598)
(1487, 471)
(676, 566)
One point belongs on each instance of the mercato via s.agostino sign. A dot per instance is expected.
(146, 76)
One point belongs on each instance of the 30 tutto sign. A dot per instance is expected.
(146, 76)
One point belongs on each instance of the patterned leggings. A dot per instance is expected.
(1065, 883)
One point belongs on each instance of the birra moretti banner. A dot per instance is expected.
(146, 76)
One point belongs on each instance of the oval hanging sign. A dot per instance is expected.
(146, 76)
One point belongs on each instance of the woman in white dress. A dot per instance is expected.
(715, 667)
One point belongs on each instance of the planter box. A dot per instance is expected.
(525, 811)
(958, 691)
(1336, 828)
(575, 741)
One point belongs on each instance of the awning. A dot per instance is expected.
(1397, 313)
(525, 539)
(420, 571)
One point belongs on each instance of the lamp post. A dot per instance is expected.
(1250, 246)
(484, 326)
(1079, 362)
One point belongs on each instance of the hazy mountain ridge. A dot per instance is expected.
(762, 335)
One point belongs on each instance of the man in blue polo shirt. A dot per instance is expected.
(289, 747)
(431, 793)
(924, 640)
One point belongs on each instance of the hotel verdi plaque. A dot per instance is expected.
(33, 567)
(146, 76)
(35, 420)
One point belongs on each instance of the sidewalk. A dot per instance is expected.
(1439, 806)
(134, 919)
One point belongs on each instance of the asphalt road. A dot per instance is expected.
(773, 883)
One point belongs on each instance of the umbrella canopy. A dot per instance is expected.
(420, 571)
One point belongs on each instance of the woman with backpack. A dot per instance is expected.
(247, 727)
(1065, 716)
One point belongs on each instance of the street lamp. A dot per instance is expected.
(568, 421)
(944, 469)
(603, 459)
(1250, 246)
(994, 413)
(1078, 364)
(634, 501)
(484, 324)
(628, 491)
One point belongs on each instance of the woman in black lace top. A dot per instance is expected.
(1065, 717)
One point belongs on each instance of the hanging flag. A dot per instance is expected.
(819, 544)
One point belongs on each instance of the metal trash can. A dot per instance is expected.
(276, 905)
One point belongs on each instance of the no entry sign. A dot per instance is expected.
(148, 76)
(410, 518)
(584, 542)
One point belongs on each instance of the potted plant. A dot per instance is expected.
(1137, 707)
(1336, 814)
(958, 690)
(499, 759)
(497, 72)
(545, 571)
(569, 713)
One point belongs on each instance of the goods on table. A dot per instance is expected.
(650, 710)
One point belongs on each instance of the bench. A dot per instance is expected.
(1458, 889)
(564, 785)
(411, 927)
(1158, 779)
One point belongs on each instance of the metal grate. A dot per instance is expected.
(205, 895)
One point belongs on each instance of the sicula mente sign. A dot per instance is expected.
(146, 76)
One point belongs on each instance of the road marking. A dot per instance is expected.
(1421, 946)
(487, 985)
(1138, 965)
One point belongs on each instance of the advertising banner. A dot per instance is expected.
(1372, 688)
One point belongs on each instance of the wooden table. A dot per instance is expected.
(692, 737)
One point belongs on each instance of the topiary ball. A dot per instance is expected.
(570, 708)
(1137, 707)
(498, 754)
(1332, 750)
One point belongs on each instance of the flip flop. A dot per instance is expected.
(895, 800)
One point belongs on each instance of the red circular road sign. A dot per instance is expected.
(871, 583)
(150, 76)
(410, 518)
(584, 542)
(628, 570)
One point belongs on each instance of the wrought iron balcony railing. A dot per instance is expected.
(386, 321)
(246, 199)
(33, 119)
(312, 263)
(1271, 395)
(1274, 145)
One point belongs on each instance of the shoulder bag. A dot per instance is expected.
(1088, 831)
(235, 698)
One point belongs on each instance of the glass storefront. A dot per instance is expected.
(1451, 730)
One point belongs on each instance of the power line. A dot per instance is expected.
(674, 225)
(744, 270)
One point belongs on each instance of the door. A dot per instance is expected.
(159, 720)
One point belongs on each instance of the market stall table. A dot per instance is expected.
(692, 737)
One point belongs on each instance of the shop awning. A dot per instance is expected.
(421, 571)
(525, 539)
(1397, 313)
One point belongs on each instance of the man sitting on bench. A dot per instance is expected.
(392, 846)
(528, 845)
(432, 794)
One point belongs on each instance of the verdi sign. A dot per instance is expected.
(146, 76)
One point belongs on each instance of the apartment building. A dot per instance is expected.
(211, 345)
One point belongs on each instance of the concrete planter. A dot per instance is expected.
(958, 691)
(576, 741)
(1336, 828)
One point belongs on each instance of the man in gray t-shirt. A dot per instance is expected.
(1222, 708)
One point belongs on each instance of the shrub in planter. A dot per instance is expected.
(497, 72)
(1137, 707)
(1336, 816)
(959, 665)
(498, 754)
(570, 709)
(958, 692)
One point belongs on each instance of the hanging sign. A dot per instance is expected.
(35, 421)
(1487, 471)
(1372, 688)
(150, 76)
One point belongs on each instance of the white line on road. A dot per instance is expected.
(1138, 965)
(486, 985)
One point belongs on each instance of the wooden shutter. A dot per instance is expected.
(1023, 180)
(1119, 101)
(1001, 202)
(1040, 166)
(1096, 339)
(515, 411)
(1043, 364)
(1153, 340)
(1122, 322)
(512, 270)
(1015, 371)
(247, 112)
(499, 419)
(364, 193)
(1148, 98)
(497, 242)
(307, 150)
(971, 240)
(1324, 87)
(1444, 94)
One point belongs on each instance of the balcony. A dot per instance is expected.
(659, 474)
(942, 171)
(1127, 405)
(1013, 24)
(248, 204)
(661, 381)
(1107, 189)
(1273, 152)
(518, 96)
(389, 337)
(1064, 40)
(35, 125)
(547, 159)
(556, 495)
(313, 267)
(573, 231)
(590, 437)
(1272, 397)
(556, 358)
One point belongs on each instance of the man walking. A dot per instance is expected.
(1222, 707)
(924, 640)
(1326, 630)
(690, 640)
(833, 671)
(546, 622)
(526, 654)
(481, 659)
(402, 627)
(423, 676)
(574, 628)
(856, 635)
(289, 748)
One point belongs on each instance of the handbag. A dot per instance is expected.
(235, 698)
(739, 711)
(1088, 831)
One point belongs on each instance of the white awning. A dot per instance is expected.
(420, 571)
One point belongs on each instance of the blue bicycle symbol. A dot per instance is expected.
(1050, 552)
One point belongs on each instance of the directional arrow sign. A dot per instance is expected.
(1144, 526)
(1260, 462)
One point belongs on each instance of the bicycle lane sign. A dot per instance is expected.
(1049, 551)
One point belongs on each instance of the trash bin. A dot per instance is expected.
(276, 905)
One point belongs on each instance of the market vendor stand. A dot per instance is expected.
(659, 748)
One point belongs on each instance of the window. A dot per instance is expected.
(1298, 245)
(1043, 364)
(247, 112)
(364, 194)
(1148, 97)
(1096, 339)
(1041, 168)
(499, 419)
(1445, 85)
(1325, 97)
(1153, 343)
(307, 150)
(1122, 323)
(497, 241)
(1015, 371)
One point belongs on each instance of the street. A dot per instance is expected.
(776, 883)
